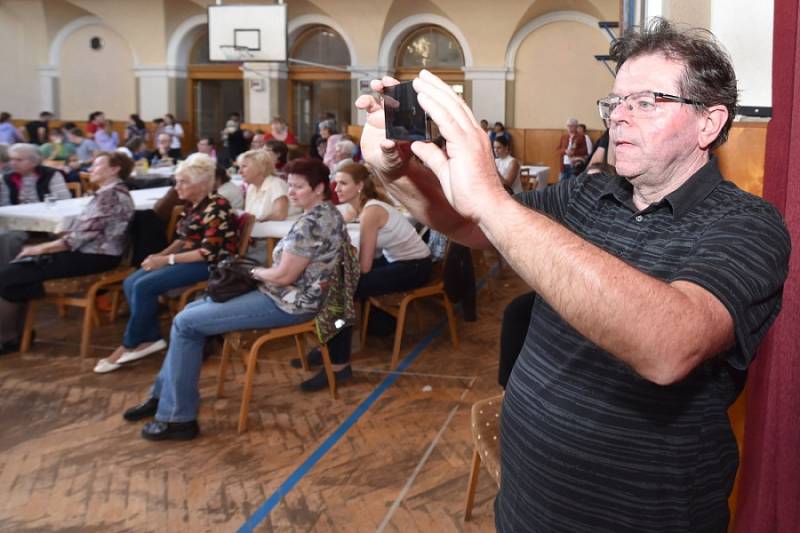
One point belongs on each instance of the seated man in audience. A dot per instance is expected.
(106, 138)
(205, 145)
(258, 141)
(28, 181)
(161, 156)
(85, 148)
(38, 130)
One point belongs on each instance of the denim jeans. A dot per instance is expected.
(176, 386)
(566, 173)
(142, 289)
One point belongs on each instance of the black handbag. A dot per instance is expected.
(231, 278)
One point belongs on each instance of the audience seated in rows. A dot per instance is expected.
(206, 233)
(392, 257)
(162, 156)
(85, 148)
(278, 151)
(56, 149)
(94, 242)
(266, 196)
(28, 181)
(279, 131)
(39, 130)
(290, 292)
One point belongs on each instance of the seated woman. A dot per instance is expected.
(227, 189)
(289, 292)
(206, 233)
(56, 149)
(403, 265)
(266, 194)
(278, 152)
(94, 242)
(507, 166)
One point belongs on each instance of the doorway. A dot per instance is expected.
(311, 98)
(213, 102)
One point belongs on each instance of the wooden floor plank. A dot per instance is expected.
(68, 461)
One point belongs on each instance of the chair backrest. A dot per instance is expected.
(173, 222)
(525, 179)
(86, 182)
(75, 188)
(246, 223)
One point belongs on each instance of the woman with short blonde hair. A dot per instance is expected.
(266, 195)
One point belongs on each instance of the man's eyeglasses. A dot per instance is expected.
(641, 104)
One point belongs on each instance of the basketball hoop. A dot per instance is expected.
(236, 54)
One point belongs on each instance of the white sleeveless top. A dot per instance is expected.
(502, 166)
(397, 238)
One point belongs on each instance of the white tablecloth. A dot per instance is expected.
(539, 176)
(277, 230)
(57, 217)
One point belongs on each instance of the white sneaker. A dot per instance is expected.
(157, 346)
(104, 366)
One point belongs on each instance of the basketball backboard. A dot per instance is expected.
(247, 33)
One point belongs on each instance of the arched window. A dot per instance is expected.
(322, 45)
(432, 48)
(314, 89)
(198, 55)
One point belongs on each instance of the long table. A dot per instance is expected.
(55, 218)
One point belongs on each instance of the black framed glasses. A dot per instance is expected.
(640, 104)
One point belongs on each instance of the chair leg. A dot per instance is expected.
(27, 332)
(89, 316)
(62, 311)
(301, 352)
(451, 321)
(472, 485)
(364, 324)
(227, 348)
(415, 310)
(248, 388)
(112, 314)
(398, 332)
(326, 359)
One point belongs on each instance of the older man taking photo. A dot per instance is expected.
(656, 287)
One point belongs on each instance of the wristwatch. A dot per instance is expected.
(171, 259)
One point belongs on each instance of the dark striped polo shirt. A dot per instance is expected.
(587, 443)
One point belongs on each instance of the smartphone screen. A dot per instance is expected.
(405, 119)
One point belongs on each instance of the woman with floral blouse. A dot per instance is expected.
(206, 233)
(94, 242)
(289, 292)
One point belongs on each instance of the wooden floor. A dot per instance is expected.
(69, 462)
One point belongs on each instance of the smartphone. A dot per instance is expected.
(405, 118)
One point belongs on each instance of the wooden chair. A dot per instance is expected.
(525, 179)
(75, 189)
(235, 341)
(86, 183)
(486, 445)
(396, 304)
(178, 299)
(79, 291)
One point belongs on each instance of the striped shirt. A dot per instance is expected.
(588, 444)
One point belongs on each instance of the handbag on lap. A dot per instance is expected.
(231, 278)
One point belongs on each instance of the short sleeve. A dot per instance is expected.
(743, 260)
(553, 200)
(301, 239)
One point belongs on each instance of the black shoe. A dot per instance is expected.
(314, 358)
(145, 409)
(170, 430)
(9, 347)
(320, 379)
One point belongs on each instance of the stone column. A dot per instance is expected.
(265, 92)
(157, 90)
(48, 88)
(488, 92)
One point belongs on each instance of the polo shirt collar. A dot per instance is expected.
(681, 200)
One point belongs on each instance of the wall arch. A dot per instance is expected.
(394, 36)
(54, 53)
(538, 22)
(182, 39)
(298, 24)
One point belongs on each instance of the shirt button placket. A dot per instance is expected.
(639, 218)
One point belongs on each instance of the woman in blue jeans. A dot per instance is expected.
(289, 292)
(206, 233)
(403, 263)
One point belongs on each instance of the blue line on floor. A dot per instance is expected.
(295, 477)
(262, 512)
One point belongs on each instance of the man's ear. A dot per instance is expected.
(712, 120)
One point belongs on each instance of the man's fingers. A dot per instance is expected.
(437, 82)
(368, 103)
(446, 106)
(432, 156)
(449, 127)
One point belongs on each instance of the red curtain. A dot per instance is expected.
(769, 494)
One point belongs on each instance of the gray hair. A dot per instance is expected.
(30, 151)
(200, 168)
(346, 146)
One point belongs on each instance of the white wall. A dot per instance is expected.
(745, 28)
